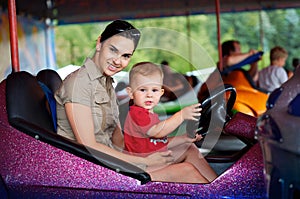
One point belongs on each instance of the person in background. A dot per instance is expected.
(145, 134)
(274, 75)
(295, 63)
(231, 55)
(87, 109)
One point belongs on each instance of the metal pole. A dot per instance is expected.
(13, 35)
(188, 27)
(219, 34)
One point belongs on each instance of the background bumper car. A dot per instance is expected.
(278, 134)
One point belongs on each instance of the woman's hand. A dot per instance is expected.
(159, 159)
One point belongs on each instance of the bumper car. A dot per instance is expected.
(38, 163)
(278, 133)
(251, 99)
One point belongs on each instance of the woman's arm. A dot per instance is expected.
(118, 138)
(81, 121)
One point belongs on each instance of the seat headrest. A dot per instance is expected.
(26, 100)
(50, 78)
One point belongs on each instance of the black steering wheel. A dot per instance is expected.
(216, 111)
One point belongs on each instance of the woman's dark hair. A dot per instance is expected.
(164, 62)
(122, 28)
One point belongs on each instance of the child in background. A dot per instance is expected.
(144, 133)
(274, 75)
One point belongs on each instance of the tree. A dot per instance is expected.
(260, 30)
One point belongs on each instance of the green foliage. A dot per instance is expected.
(75, 42)
(195, 35)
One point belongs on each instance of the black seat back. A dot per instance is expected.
(28, 112)
(26, 100)
(50, 78)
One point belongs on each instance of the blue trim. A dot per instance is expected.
(52, 103)
(248, 60)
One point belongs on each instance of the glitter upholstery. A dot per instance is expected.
(34, 169)
(242, 125)
(278, 133)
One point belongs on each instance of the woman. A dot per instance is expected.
(87, 109)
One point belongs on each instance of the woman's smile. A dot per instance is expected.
(112, 67)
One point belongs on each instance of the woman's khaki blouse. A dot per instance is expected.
(87, 86)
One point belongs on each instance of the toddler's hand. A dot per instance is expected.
(197, 138)
(191, 112)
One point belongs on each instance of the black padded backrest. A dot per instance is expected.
(26, 100)
(27, 111)
(50, 78)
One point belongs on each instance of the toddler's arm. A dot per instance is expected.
(167, 126)
(183, 139)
